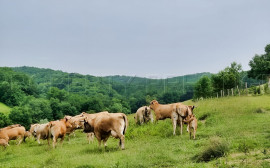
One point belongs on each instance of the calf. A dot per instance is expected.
(105, 125)
(192, 124)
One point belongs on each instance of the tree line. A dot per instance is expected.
(233, 80)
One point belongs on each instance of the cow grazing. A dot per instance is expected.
(143, 115)
(13, 132)
(105, 125)
(58, 129)
(192, 124)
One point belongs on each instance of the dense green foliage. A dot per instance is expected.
(260, 65)
(203, 88)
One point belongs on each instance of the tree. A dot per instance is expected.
(227, 78)
(260, 64)
(21, 115)
(56, 93)
(10, 94)
(4, 120)
(40, 109)
(203, 88)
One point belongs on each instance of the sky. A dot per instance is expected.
(147, 38)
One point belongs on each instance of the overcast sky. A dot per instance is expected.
(149, 38)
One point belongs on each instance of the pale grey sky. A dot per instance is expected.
(150, 38)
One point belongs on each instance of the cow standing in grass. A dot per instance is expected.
(175, 111)
(58, 129)
(105, 125)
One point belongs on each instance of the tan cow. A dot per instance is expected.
(183, 111)
(175, 111)
(105, 125)
(143, 115)
(41, 131)
(192, 124)
(13, 132)
(58, 129)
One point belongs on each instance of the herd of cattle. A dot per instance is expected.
(101, 125)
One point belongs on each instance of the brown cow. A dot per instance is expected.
(58, 129)
(183, 111)
(143, 115)
(105, 125)
(13, 132)
(175, 111)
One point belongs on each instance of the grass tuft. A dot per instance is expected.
(217, 148)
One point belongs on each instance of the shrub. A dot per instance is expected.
(215, 149)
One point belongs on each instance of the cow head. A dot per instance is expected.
(153, 103)
(87, 126)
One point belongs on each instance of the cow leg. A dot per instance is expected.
(38, 138)
(20, 140)
(188, 127)
(181, 125)
(62, 139)
(174, 120)
(194, 133)
(122, 141)
(54, 141)
(105, 142)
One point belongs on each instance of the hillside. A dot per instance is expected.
(237, 126)
(4, 109)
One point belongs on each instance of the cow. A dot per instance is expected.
(58, 129)
(41, 131)
(13, 132)
(105, 125)
(182, 111)
(143, 115)
(192, 124)
(173, 111)
(31, 130)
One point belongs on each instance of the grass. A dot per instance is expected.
(241, 123)
(4, 109)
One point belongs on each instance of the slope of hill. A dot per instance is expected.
(4, 109)
(234, 129)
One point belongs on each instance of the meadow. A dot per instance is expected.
(232, 132)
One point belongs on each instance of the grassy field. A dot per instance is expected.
(237, 129)
(4, 109)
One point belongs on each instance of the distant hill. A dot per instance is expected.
(123, 85)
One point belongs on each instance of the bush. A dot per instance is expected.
(215, 149)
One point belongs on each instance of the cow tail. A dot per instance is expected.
(126, 124)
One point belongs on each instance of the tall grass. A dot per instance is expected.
(234, 121)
